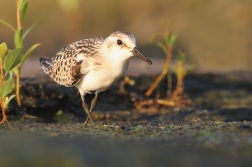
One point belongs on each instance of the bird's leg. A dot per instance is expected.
(93, 102)
(85, 107)
(92, 105)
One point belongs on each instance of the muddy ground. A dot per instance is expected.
(215, 130)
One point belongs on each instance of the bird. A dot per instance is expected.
(92, 65)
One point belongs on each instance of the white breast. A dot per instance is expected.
(100, 79)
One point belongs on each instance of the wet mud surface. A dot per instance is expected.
(215, 130)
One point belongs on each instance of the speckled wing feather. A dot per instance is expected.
(70, 64)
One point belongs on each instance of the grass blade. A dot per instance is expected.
(8, 25)
(28, 53)
(29, 29)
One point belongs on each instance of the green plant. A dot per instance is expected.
(180, 68)
(166, 46)
(19, 36)
(7, 63)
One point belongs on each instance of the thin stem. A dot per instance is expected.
(18, 75)
(18, 89)
(3, 107)
(168, 59)
(4, 119)
(158, 79)
(18, 15)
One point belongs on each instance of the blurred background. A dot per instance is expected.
(216, 35)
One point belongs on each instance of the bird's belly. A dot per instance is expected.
(102, 78)
(97, 82)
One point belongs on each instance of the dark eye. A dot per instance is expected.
(119, 42)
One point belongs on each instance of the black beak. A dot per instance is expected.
(140, 55)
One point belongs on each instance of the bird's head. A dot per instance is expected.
(121, 46)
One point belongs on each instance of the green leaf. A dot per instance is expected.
(7, 100)
(23, 10)
(29, 52)
(167, 38)
(162, 46)
(7, 24)
(16, 70)
(7, 88)
(3, 50)
(13, 59)
(18, 38)
(20, 3)
(172, 39)
(29, 29)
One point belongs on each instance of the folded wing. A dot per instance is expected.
(71, 63)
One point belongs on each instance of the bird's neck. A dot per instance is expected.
(117, 68)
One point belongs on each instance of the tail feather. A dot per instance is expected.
(45, 64)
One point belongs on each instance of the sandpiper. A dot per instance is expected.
(93, 65)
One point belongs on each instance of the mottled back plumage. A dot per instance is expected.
(69, 64)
